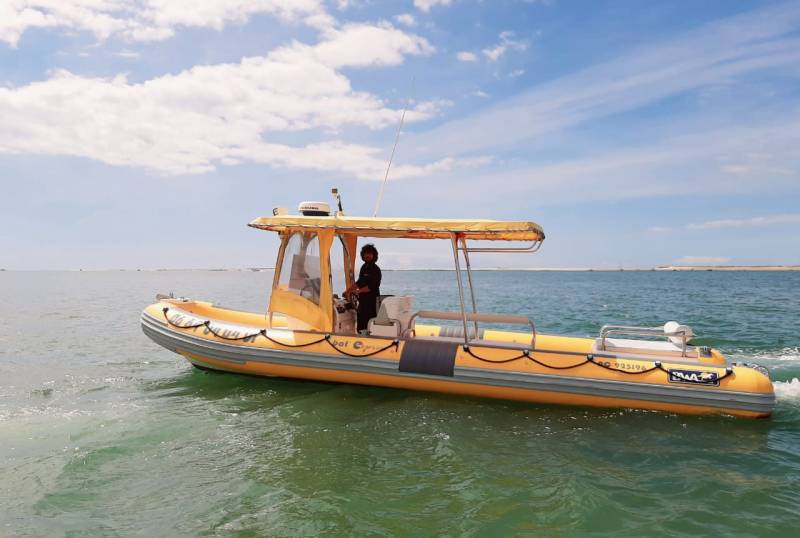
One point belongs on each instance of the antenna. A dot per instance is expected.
(391, 157)
(335, 193)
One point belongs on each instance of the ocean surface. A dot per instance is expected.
(103, 433)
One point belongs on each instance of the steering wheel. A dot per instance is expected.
(353, 300)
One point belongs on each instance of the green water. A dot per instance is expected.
(103, 433)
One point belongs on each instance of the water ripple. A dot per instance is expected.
(105, 433)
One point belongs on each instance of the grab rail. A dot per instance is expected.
(533, 247)
(642, 331)
(488, 318)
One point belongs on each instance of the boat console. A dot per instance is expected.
(344, 316)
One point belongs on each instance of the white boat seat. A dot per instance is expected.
(643, 347)
(394, 316)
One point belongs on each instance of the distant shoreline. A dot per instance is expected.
(729, 268)
(661, 268)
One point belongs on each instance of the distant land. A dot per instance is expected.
(729, 268)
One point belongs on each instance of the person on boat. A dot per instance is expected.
(367, 287)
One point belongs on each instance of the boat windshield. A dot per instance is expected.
(339, 264)
(300, 269)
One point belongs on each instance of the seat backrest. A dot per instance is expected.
(382, 317)
(396, 307)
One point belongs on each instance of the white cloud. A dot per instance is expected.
(494, 53)
(128, 54)
(751, 170)
(516, 73)
(359, 45)
(193, 120)
(426, 5)
(702, 260)
(507, 42)
(480, 93)
(355, 160)
(406, 19)
(754, 164)
(746, 223)
(465, 56)
(145, 20)
(659, 229)
(715, 53)
(685, 165)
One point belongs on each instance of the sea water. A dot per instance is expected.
(104, 433)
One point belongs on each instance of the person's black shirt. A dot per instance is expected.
(369, 276)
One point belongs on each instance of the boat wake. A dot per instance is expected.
(783, 355)
(787, 391)
(790, 354)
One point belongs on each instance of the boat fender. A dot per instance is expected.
(428, 357)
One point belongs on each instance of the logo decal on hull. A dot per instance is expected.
(693, 377)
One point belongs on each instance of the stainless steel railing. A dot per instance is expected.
(657, 332)
(459, 316)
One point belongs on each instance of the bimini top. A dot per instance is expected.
(491, 230)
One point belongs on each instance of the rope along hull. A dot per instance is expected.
(377, 362)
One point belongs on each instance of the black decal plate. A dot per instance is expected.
(694, 377)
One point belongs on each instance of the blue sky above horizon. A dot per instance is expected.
(142, 134)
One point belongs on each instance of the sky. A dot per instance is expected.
(148, 133)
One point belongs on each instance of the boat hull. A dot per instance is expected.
(746, 394)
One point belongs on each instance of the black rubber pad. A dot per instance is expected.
(428, 357)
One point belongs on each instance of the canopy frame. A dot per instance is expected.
(480, 230)
(459, 244)
(457, 231)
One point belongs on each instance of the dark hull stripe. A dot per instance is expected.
(160, 333)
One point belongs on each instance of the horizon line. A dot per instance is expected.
(764, 267)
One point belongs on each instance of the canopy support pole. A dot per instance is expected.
(465, 250)
(454, 241)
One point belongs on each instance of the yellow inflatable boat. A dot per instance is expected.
(309, 333)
